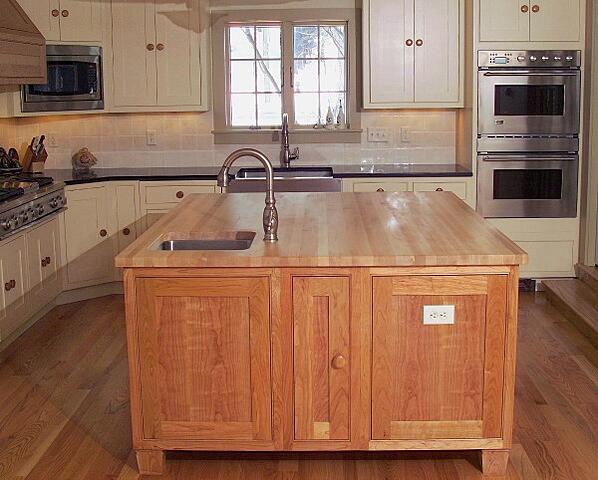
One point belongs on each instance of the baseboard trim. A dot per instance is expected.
(87, 293)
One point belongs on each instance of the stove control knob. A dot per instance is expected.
(53, 202)
(23, 216)
(545, 58)
(15, 222)
(557, 58)
(533, 58)
(5, 224)
(520, 58)
(568, 58)
(40, 209)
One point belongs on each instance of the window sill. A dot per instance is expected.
(298, 136)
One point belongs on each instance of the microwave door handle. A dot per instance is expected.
(530, 74)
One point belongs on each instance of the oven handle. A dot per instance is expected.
(531, 74)
(526, 158)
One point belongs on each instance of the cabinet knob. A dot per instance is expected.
(524, 9)
(55, 13)
(339, 362)
(44, 263)
(536, 8)
(8, 286)
(380, 190)
(409, 42)
(180, 194)
(439, 189)
(419, 42)
(126, 231)
(48, 260)
(160, 47)
(65, 13)
(150, 47)
(103, 232)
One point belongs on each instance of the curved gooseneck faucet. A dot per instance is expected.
(270, 216)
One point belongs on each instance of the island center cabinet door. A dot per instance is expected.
(438, 376)
(204, 347)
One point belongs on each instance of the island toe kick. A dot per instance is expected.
(322, 359)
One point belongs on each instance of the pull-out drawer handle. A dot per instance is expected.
(380, 190)
(440, 189)
(339, 362)
(180, 194)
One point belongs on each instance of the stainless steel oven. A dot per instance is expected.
(529, 93)
(75, 81)
(527, 185)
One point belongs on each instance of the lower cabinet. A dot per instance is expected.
(14, 285)
(321, 358)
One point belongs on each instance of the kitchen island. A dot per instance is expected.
(377, 322)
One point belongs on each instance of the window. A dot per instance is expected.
(284, 63)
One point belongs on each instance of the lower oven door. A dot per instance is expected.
(527, 186)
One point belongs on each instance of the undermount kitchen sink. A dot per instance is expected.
(216, 241)
(294, 179)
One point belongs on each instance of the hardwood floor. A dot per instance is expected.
(64, 410)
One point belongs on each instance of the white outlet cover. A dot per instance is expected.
(439, 314)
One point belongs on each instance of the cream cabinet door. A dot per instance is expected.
(555, 21)
(437, 50)
(44, 261)
(505, 20)
(126, 196)
(14, 285)
(134, 53)
(80, 20)
(388, 27)
(177, 53)
(90, 246)
(45, 14)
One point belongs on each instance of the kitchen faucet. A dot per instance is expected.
(285, 153)
(270, 216)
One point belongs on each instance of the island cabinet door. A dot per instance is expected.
(204, 346)
(322, 363)
(438, 356)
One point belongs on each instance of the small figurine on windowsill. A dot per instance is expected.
(83, 161)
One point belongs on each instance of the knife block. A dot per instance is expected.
(33, 163)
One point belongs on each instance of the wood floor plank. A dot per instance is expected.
(64, 411)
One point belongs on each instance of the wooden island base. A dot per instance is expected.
(363, 352)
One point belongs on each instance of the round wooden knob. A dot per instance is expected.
(409, 42)
(180, 194)
(48, 260)
(339, 362)
(380, 190)
(55, 13)
(439, 189)
(536, 8)
(419, 42)
(8, 286)
(160, 47)
(150, 47)
(524, 8)
(44, 263)
(13, 283)
(65, 13)
(103, 233)
(126, 231)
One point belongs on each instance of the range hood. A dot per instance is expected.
(22, 47)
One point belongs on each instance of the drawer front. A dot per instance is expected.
(156, 194)
(381, 187)
(458, 188)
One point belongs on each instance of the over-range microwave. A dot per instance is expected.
(75, 81)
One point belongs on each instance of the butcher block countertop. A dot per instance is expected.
(329, 230)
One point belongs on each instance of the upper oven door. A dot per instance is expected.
(528, 102)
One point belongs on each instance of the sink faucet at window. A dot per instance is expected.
(270, 217)
(285, 153)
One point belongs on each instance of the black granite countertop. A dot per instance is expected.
(210, 173)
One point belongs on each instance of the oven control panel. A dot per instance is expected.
(529, 59)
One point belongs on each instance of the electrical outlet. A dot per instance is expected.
(439, 314)
(378, 135)
(151, 137)
(405, 135)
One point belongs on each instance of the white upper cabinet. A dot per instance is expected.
(412, 53)
(66, 20)
(157, 63)
(530, 21)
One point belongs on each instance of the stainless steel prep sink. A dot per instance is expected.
(214, 241)
(296, 179)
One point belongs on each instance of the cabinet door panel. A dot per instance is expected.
(40, 13)
(134, 66)
(13, 286)
(84, 21)
(391, 60)
(44, 262)
(556, 21)
(207, 344)
(178, 64)
(437, 65)
(437, 380)
(504, 21)
(322, 366)
(89, 255)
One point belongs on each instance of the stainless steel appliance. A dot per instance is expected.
(27, 200)
(75, 81)
(291, 179)
(529, 96)
(528, 133)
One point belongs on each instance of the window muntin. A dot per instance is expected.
(254, 55)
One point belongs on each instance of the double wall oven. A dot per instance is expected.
(528, 133)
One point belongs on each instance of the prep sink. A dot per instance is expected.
(286, 173)
(295, 179)
(221, 241)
